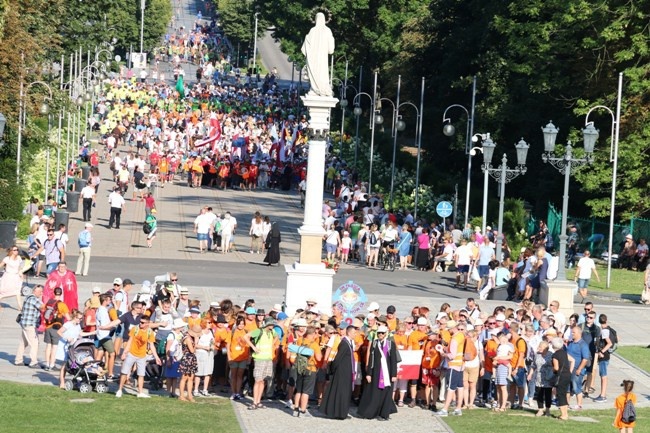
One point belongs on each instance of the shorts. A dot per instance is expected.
(576, 382)
(263, 370)
(238, 364)
(429, 378)
(519, 376)
(201, 236)
(454, 379)
(330, 248)
(106, 344)
(305, 383)
(345, 250)
(290, 376)
(470, 374)
(583, 283)
(321, 375)
(141, 364)
(602, 367)
(483, 270)
(462, 269)
(51, 336)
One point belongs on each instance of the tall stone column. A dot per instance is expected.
(308, 278)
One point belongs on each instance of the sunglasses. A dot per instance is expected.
(15, 249)
(492, 323)
(118, 285)
(587, 310)
(311, 305)
(174, 279)
(381, 333)
(50, 234)
(409, 323)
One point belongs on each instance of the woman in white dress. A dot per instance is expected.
(12, 280)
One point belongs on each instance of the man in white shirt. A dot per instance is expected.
(228, 226)
(118, 204)
(583, 273)
(202, 225)
(87, 198)
(105, 342)
(462, 261)
(213, 219)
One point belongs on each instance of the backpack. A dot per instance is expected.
(629, 412)
(614, 339)
(373, 238)
(146, 228)
(301, 363)
(51, 314)
(469, 352)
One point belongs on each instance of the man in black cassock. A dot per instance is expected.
(273, 240)
(336, 402)
(381, 374)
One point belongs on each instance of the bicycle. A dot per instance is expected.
(387, 259)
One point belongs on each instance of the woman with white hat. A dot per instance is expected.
(174, 354)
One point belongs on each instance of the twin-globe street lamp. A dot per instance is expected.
(22, 117)
(502, 174)
(564, 164)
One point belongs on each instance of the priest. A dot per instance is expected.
(381, 375)
(64, 278)
(336, 402)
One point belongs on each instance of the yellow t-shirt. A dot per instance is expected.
(139, 339)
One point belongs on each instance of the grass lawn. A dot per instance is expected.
(637, 355)
(525, 421)
(37, 408)
(623, 281)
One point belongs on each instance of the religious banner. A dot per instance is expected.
(350, 299)
(409, 368)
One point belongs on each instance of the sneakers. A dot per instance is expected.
(143, 395)
(195, 393)
(576, 407)
(458, 412)
(118, 394)
(204, 393)
(233, 397)
(600, 399)
(442, 413)
(289, 404)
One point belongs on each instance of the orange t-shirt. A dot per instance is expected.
(198, 321)
(222, 338)
(139, 339)
(519, 357)
(416, 340)
(431, 357)
(250, 326)
(490, 353)
(401, 341)
(358, 343)
(61, 311)
(238, 350)
(392, 324)
(619, 404)
(312, 363)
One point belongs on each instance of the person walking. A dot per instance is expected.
(273, 240)
(118, 205)
(584, 269)
(85, 241)
(622, 426)
(12, 280)
(152, 222)
(88, 196)
(30, 319)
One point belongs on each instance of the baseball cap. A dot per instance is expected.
(422, 321)
(97, 290)
(451, 324)
(250, 310)
(373, 306)
(371, 316)
(383, 329)
(478, 322)
(277, 308)
(195, 310)
(117, 281)
(441, 315)
(88, 225)
(282, 315)
(183, 290)
(391, 309)
(500, 317)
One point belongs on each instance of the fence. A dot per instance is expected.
(593, 233)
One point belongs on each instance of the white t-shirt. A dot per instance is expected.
(585, 265)
(463, 255)
(203, 223)
(103, 319)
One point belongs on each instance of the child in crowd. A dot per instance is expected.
(346, 243)
(505, 350)
(623, 427)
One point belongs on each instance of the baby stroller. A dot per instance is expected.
(85, 370)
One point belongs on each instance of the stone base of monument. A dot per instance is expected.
(561, 291)
(308, 281)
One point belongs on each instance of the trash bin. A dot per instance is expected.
(61, 217)
(8, 233)
(47, 210)
(72, 200)
(85, 172)
(79, 184)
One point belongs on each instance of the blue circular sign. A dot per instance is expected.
(444, 209)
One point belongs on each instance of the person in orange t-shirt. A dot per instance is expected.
(305, 382)
(619, 404)
(222, 336)
(401, 341)
(431, 360)
(238, 357)
(135, 352)
(416, 342)
(251, 323)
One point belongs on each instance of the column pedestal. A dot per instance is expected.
(309, 278)
(561, 291)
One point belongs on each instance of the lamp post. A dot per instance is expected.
(488, 151)
(356, 134)
(142, 7)
(503, 175)
(343, 102)
(255, 45)
(375, 118)
(449, 130)
(22, 116)
(613, 158)
(564, 164)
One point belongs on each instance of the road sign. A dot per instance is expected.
(444, 209)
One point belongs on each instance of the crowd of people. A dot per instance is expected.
(503, 359)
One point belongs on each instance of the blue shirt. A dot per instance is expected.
(578, 351)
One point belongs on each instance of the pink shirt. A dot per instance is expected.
(423, 241)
